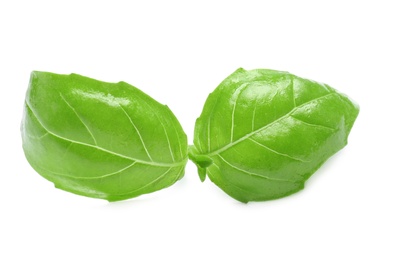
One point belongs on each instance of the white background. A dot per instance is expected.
(178, 52)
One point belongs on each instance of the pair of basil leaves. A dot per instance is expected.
(261, 135)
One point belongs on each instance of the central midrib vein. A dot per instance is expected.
(224, 148)
(103, 149)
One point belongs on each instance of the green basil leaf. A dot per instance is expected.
(263, 133)
(98, 139)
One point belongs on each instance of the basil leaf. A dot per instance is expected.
(98, 139)
(266, 132)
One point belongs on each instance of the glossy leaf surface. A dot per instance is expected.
(98, 139)
(263, 133)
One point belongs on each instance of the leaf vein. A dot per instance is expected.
(292, 91)
(254, 114)
(177, 136)
(237, 93)
(311, 124)
(79, 117)
(93, 177)
(150, 183)
(209, 123)
(276, 152)
(231, 183)
(251, 173)
(138, 132)
(164, 128)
